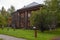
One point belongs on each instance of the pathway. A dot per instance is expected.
(6, 37)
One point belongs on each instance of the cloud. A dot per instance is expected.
(17, 3)
(0, 4)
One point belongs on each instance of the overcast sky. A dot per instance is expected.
(17, 3)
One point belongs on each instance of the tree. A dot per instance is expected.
(3, 12)
(3, 21)
(3, 17)
(38, 18)
(11, 10)
(54, 9)
(47, 16)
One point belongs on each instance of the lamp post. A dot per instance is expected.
(35, 32)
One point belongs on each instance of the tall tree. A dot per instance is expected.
(3, 21)
(47, 16)
(53, 6)
(3, 11)
(38, 18)
(11, 9)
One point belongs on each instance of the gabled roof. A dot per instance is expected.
(31, 5)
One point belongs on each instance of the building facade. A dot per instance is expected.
(20, 18)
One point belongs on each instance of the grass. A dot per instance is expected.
(1, 39)
(29, 34)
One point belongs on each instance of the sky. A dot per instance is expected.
(17, 3)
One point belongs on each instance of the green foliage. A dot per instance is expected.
(3, 11)
(4, 15)
(11, 10)
(39, 16)
(54, 10)
(48, 14)
(2, 20)
(33, 18)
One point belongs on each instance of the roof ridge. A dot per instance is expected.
(35, 3)
(31, 4)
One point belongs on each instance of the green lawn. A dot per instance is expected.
(29, 34)
(1, 39)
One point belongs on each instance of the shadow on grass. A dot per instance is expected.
(53, 32)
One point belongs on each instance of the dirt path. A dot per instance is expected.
(6, 37)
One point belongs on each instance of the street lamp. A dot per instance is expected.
(35, 32)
